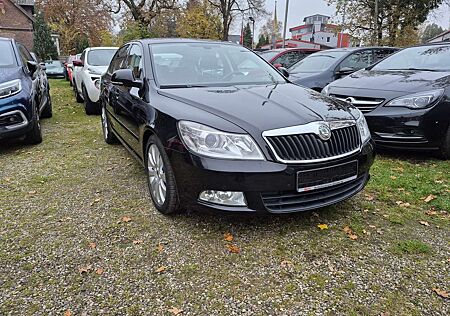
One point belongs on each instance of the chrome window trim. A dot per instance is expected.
(309, 128)
(15, 126)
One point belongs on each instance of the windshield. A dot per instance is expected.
(53, 64)
(209, 64)
(7, 56)
(100, 57)
(433, 58)
(268, 55)
(317, 62)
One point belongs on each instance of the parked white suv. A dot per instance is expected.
(93, 63)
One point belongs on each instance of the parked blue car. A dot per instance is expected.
(24, 93)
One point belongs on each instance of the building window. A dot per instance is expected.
(328, 39)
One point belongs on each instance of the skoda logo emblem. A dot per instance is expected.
(350, 100)
(324, 132)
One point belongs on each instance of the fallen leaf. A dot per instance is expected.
(228, 237)
(160, 248)
(353, 236)
(347, 230)
(68, 313)
(175, 311)
(92, 245)
(126, 219)
(441, 293)
(424, 223)
(429, 198)
(138, 241)
(85, 269)
(233, 249)
(393, 177)
(322, 226)
(32, 192)
(385, 314)
(431, 212)
(372, 226)
(161, 269)
(369, 197)
(286, 263)
(99, 271)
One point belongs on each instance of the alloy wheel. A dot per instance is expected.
(156, 174)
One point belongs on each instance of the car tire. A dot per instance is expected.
(77, 94)
(159, 176)
(108, 135)
(48, 109)
(444, 151)
(34, 136)
(91, 108)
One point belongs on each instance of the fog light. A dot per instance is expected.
(223, 198)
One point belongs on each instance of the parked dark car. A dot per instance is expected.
(219, 128)
(55, 69)
(286, 57)
(405, 98)
(24, 93)
(322, 68)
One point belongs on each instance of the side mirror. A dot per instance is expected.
(277, 65)
(78, 63)
(32, 66)
(283, 71)
(344, 71)
(125, 77)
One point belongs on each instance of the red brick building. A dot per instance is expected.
(16, 20)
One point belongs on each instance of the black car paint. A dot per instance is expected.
(136, 114)
(318, 80)
(34, 94)
(391, 126)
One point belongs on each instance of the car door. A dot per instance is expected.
(354, 62)
(25, 56)
(111, 91)
(79, 71)
(130, 101)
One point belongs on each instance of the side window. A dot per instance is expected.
(135, 61)
(379, 54)
(358, 60)
(288, 59)
(25, 56)
(118, 60)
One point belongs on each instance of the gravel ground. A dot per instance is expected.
(79, 236)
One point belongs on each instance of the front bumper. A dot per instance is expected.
(403, 128)
(92, 91)
(268, 187)
(15, 108)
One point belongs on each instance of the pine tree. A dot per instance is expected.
(247, 42)
(43, 43)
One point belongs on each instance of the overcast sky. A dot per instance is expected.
(298, 9)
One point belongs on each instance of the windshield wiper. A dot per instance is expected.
(176, 86)
(416, 69)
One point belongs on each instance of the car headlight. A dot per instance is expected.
(418, 100)
(10, 88)
(363, 128)
(207, 141)
(326, 90)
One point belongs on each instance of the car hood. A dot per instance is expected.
(260, 108)
(10, 73)
(307, 79)
(400, 81)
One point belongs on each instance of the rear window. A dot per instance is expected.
(7, 58)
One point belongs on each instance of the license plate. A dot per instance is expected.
(326, 177)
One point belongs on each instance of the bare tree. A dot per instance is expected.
(229, 9)
(143, 11)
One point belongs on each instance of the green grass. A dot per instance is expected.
(412, 247)
(44, 238)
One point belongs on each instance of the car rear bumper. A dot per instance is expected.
(268, 187)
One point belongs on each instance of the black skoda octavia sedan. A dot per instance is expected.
(405, 98)
(217, 127)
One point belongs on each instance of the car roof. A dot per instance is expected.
(181, 40)
(279, 50)
(353, 49)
